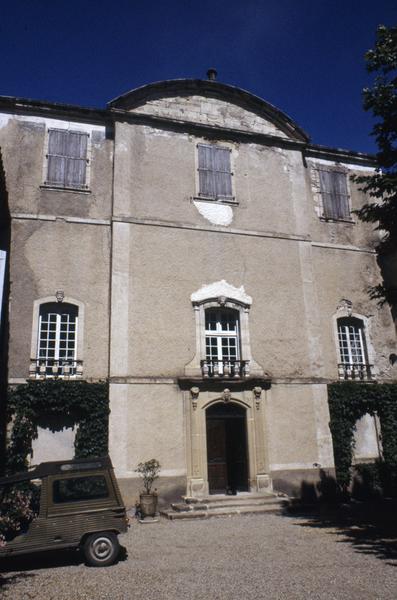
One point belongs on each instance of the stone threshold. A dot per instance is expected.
(225, 505)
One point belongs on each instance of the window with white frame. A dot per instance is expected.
(223, 346)
(354, 362)
(222, 341)
(214, 169)
(67, 159)
(334, 194)
(57, 340)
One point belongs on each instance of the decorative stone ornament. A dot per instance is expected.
(226, 395)
(345, 306)
(194, 391)
(257, 395)
(60, 295)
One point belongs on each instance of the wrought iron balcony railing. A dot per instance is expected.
(43, 368)
(355, 371)
(226, 369)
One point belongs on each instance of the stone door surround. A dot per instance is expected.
(196, 404)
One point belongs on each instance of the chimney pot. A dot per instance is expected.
(212, 74)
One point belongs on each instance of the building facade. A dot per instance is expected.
(190, 244)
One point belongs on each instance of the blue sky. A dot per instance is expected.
(303, 56)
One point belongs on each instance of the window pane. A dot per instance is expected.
(57, 338)
(350, 336)
(80, 488)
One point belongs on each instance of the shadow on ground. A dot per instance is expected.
(43, 560)
(369, 525)
(7, 580)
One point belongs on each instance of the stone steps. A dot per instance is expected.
(213, 506)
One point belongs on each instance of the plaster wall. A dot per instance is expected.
(165, 266)
(23, 143)
(347, 274)
(156, 178)
(51, 256)
(298, 434)
(147, 421)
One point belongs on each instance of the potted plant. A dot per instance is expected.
(149, 471)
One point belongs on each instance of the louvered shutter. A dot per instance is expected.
(67, 158)
(206, 176)
(214, 172)
(222, 174)
(342, 209)
(334, 194)
(327, 193)
(76, 162)
(56, 156)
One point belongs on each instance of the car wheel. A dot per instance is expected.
(101, 549)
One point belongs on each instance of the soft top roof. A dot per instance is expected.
(59, 467)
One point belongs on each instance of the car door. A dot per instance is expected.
(78, 504)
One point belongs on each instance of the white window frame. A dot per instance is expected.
(36, 328)
(85, 188)
(57, 350)
(355, 349)
(221, 295)
(345, 311)
(221, 335)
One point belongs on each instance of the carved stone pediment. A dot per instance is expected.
(221, 291)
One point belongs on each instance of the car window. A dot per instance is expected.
(80, 488)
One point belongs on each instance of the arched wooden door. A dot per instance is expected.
(227, 454)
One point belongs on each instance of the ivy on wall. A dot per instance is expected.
(348, 402)
(55, 403)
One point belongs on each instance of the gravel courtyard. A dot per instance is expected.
(246, 557)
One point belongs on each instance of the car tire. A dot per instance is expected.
(101, 549)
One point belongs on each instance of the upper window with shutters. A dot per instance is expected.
(334, 194)
(67, 159)
(215, 173)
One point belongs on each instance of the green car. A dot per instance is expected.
(76, 503)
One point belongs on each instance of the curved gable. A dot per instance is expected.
(210, 103)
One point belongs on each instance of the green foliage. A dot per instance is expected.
(348, 401)
(149, 471)
(381, 100)
(52, 402)
(18, 506)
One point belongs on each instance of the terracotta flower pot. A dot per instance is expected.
(148, 504)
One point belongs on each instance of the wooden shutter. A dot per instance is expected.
(334, 194)
(342, 209)
(222, 174)
(206, 176)
(57, 140)
(76, 162)
(214, 172)
(67, 158)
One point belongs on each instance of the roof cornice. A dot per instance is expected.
(53, 109)
(111, 114)
(229, 93)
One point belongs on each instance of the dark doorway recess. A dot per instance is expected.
(227, 449)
